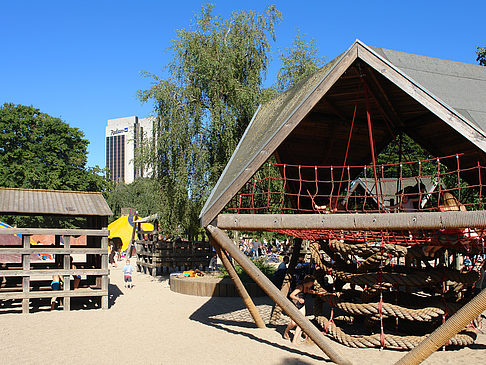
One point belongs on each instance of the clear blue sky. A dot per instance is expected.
(81, 60)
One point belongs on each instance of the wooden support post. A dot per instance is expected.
(130, 245)
(239, 286)
(448, 329)
(277, 311)
(105, 281)
(67, 278)
(319, 339)
(26, 279)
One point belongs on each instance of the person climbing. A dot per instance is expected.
(298, 297)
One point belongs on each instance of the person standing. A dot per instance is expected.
(298, 297)
(127, 275)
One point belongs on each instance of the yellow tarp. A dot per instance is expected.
(123, 229)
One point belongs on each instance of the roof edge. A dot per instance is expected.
(424, 89)
(204, 220)
(203, 210)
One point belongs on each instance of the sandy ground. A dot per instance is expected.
(151, 324)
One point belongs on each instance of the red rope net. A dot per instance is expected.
(438, 184)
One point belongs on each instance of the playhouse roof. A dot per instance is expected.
(441, 104)
(52, 202)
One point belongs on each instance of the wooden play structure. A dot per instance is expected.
(391, 259)
(27, 279)
(157, 255)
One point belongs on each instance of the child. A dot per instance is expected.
(298, 297)
(127, 275)
(56, 284)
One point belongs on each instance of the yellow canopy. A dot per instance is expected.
(123, 229)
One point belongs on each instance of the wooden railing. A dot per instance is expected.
(95, 268)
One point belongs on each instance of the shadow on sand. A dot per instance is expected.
(113, 293)
(222, 312)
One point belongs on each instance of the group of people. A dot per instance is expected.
(255, 248)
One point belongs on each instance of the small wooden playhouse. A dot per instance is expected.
(25, 278)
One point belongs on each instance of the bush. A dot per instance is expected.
(267, 270)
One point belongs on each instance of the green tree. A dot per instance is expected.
(38, 151)
(298, 62)
(213, 87)
(141, 194)
(481, 52)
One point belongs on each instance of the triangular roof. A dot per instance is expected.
(413, 92)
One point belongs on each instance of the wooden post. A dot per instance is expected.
(105, 280)
(26, 279)
(239, 286)
(320, 340)
(67, 278)
(448, 329)
(130, 245)
(277, 311)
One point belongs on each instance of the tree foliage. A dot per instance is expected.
(38, 151)
(213, 87)
(481, 52)
(298, 62)
(141, 194)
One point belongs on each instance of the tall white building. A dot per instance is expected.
(123, 137)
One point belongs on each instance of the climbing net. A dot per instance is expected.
(431, 185)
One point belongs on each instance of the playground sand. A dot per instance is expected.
(151, 324)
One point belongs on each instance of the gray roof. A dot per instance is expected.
(52, 202)
(459, 85)
(388, 186)
(454, 91)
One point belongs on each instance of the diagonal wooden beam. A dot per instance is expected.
(446, 331)
(319, 339)
(382, 98)
(239, 285)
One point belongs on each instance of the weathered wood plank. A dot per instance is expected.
(55, 251)
(372, 221)
(50, 272)
(25, 291)
(52, 293)
(56, 231)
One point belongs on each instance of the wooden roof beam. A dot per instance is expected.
(382, 100)
(336, 110)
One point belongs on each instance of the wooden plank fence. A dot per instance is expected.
(34, 275)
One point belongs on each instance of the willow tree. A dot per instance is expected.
(212, 89)
(298, 62)
(481, 52)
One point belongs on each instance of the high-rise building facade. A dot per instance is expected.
(123, 136)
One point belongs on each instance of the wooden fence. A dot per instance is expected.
(157, 257)
(31, 280)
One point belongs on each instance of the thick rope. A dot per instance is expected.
(421, 279)
(367, 249)
(465, 338)
(388, 310)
